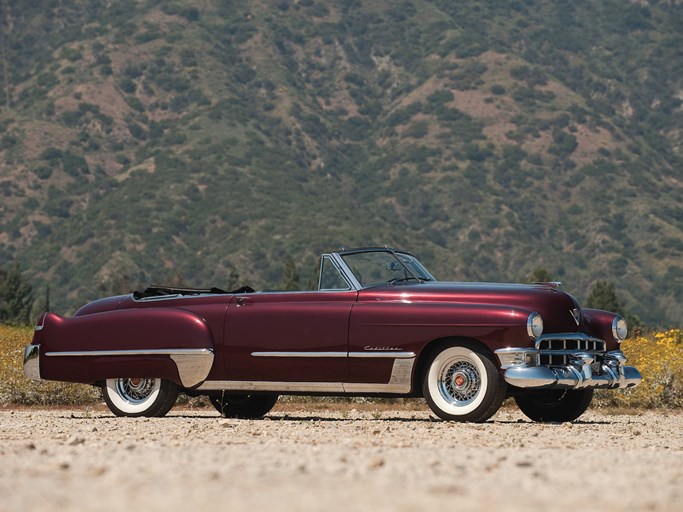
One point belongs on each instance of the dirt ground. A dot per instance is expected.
(351, 458)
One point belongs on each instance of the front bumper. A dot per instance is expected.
(32, 362)
(585, 370)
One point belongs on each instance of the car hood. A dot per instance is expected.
(558, 308)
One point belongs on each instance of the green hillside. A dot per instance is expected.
(186, 142)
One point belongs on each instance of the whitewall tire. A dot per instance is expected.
(462, 383)
(140, 397)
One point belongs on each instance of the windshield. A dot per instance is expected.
(372, 268)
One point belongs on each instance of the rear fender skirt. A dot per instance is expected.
(191, 365)
(176, 344)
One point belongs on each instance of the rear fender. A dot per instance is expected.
(173, 344)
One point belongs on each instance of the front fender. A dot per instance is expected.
(599, 324)
(173, 344)
(411, 326)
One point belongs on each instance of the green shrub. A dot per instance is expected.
(497, 89)
(659, 357)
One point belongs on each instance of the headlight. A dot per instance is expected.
(534, 325)
(619, 328)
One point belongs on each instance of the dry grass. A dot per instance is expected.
(16, 389)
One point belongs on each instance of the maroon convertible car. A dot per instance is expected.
(379, 325)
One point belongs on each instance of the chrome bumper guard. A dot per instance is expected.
(585, 370)
(32, 362)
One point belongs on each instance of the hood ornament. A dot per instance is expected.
(576, 315)
(552, 284)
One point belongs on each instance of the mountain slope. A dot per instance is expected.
(155, 141)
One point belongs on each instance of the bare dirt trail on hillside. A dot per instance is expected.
(300, 459)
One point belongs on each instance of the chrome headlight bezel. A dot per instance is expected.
(534, 325)
(619, 328)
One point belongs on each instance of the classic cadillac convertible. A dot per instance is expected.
(379, 325)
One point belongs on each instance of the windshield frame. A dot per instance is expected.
(413, 271)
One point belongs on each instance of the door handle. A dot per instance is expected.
(241, 301)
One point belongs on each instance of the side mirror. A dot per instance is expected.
(394, 266)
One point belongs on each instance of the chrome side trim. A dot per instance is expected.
(140, 352)
(399, 382)
(193, 364)
(383, 354)
(32, 362)
(374, 354)
(239, 385)
(299, 354)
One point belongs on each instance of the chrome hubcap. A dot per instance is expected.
(135, 390)
(459, 382)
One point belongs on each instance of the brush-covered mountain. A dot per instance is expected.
(193, 141)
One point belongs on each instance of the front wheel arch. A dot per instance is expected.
(434, 346)
(462, 382)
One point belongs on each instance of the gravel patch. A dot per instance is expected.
(300, 459)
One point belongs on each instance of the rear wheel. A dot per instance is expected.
(554, 406)
(140, 397)
(243, 406)
(462, 383)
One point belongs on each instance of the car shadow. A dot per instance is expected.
(272, 418)
(297, 418)
(529, 422)
(341, 419)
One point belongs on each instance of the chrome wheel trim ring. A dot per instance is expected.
(135, 391)
(132, 402)
(459, 381)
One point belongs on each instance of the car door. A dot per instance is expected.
(288, 337)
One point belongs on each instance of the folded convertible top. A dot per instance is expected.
(159, 291)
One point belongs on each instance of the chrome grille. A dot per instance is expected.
(575, 343)
(557, 349)
(549, 359)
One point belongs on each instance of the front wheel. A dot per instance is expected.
(140, 397)
(462, 383)
(246, 407)
(554, 406)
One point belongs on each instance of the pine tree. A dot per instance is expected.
(539, 275)
(16, 298)
(45, 306)
(604, 296)
(290, 277)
